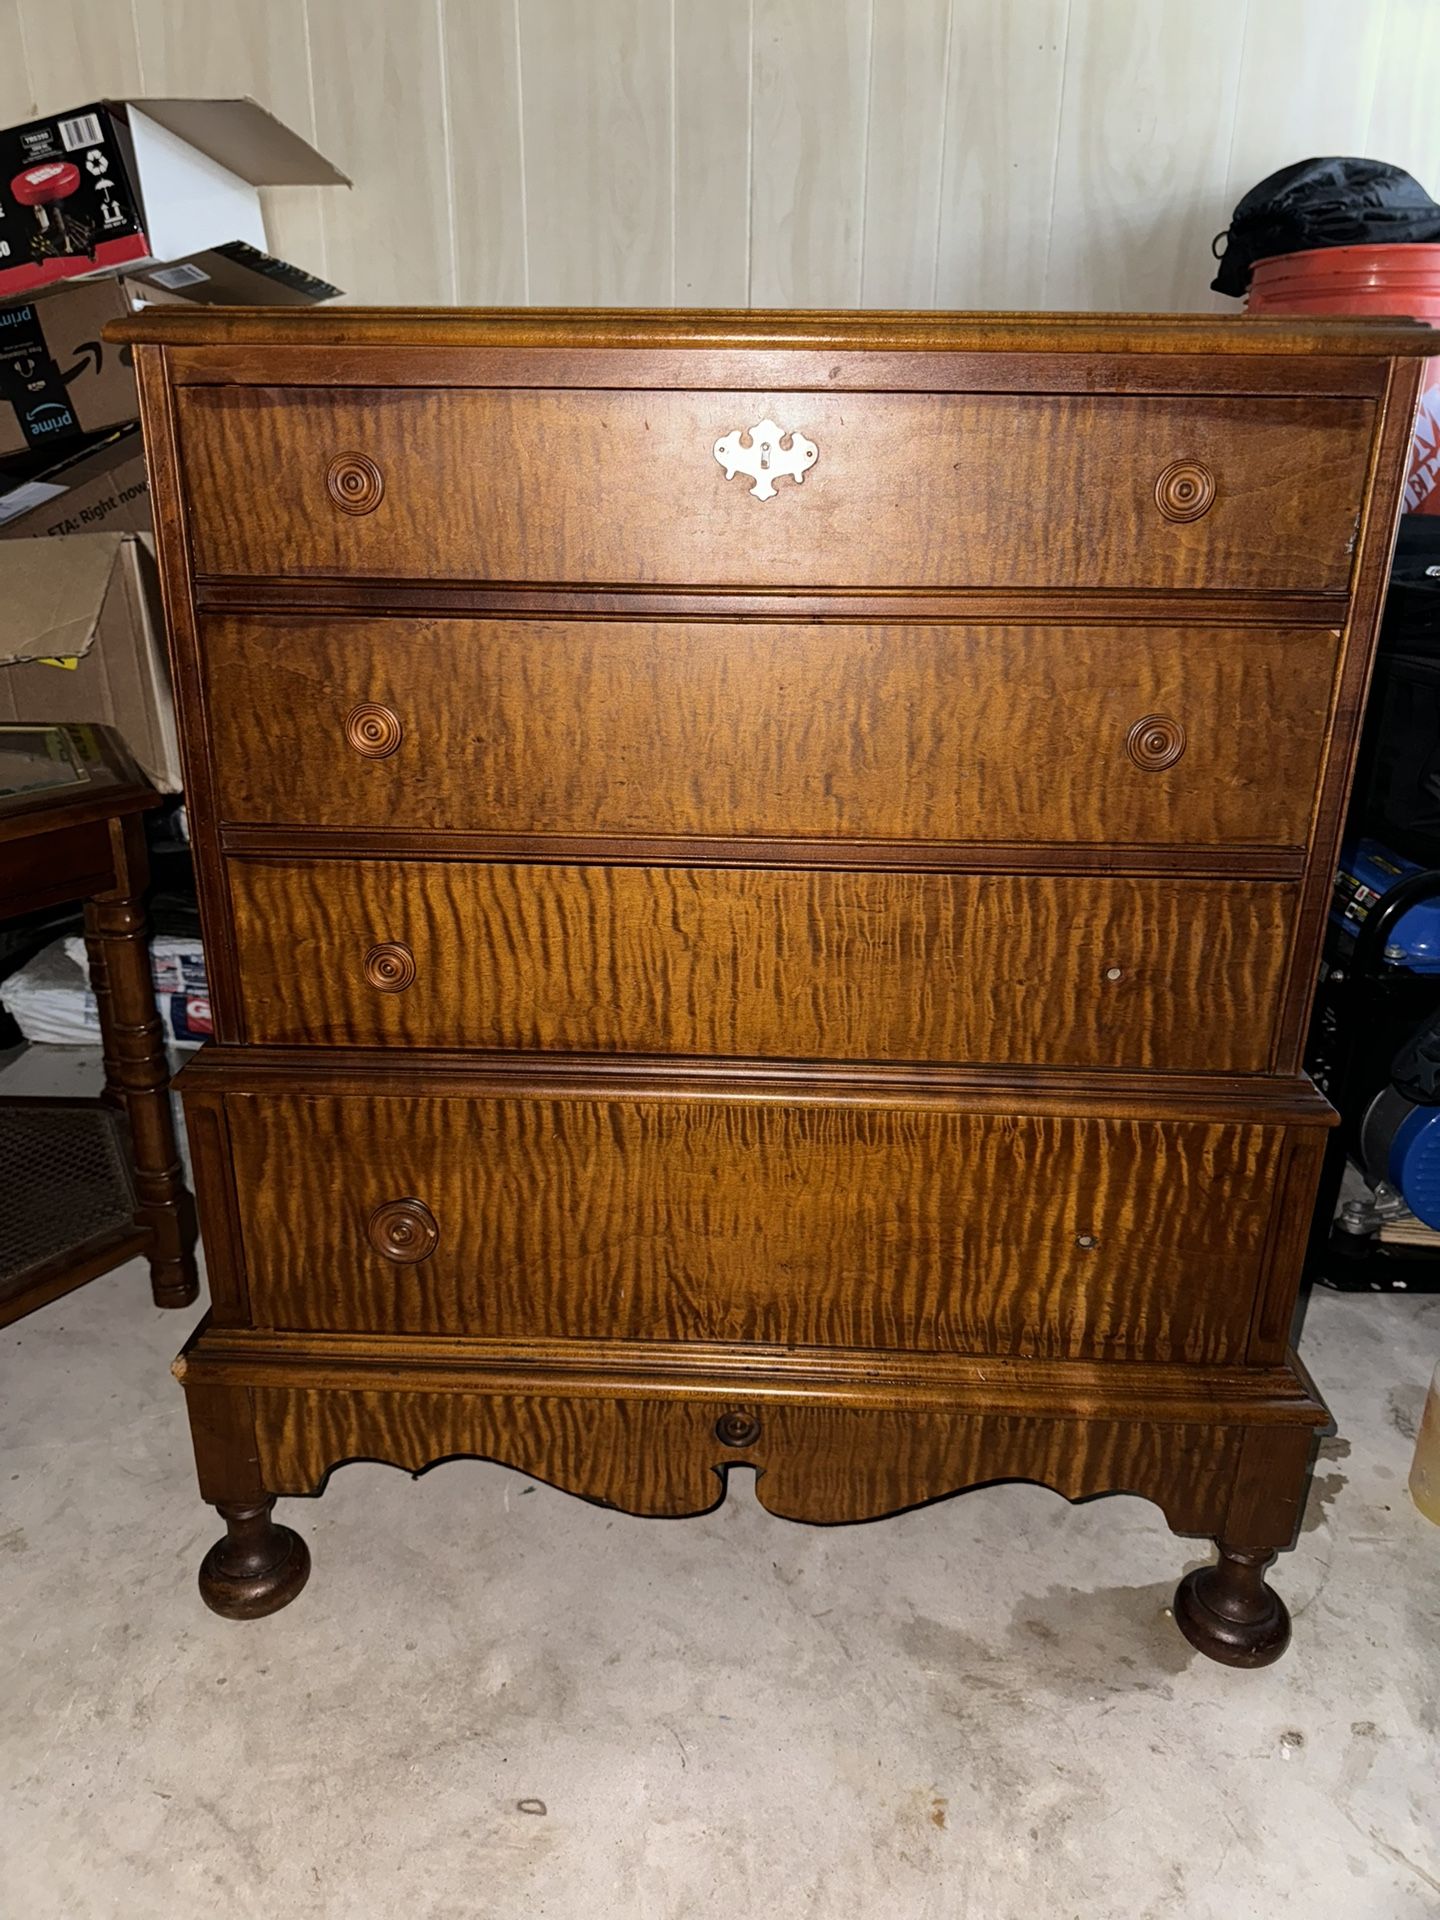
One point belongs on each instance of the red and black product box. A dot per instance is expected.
(66, 196)
(152, 186)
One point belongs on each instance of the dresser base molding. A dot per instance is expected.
(832, 1439)
(1258, 1396)
(217, 1070)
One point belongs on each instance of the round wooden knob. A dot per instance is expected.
(737, 1429)
(355, 483)
(390, 967)
(374, 731)
(404, 1231)
(1185, 490)
(1156, 742)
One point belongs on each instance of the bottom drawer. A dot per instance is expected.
(883, 1223)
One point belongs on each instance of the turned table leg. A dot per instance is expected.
(256, 1568)
(135, 1053)
(100, 986)
(1230, 1613)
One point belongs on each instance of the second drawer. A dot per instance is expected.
(1066, 970)
(1174, 736)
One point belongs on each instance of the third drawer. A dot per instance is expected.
(1076, 970)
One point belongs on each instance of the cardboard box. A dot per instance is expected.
(121, 182)
(101, 484)
(235, 275)
(81, 639)
(59, 380)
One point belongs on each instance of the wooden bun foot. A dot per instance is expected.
(1228, 1613)
(256, 1568)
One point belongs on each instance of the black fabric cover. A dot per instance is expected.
(1397, 786)
(1415, 1070)
(1322, 203)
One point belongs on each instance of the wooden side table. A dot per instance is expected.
(87, 1184)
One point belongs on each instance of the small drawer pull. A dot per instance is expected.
(404, 1231)
(1185, 491)
(355, 483)
(390, 967)
(373, 731)
(737, 1429)
(1156, 742)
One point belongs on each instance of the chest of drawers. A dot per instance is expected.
(763, 876)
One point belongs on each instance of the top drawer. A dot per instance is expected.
(905, 490)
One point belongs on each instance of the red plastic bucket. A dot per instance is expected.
(1398, 281)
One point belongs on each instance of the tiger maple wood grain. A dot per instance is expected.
(804, 1226)
(818, 1016)
(818, 965)
(923, 732)
(909, 490)
(821, 1464)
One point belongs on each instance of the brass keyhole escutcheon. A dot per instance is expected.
(404, 1231)
(737, 1429)
(763, 454)
(390, 967)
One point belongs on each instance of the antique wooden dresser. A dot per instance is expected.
(763, 875)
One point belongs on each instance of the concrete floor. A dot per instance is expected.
(494, 1700)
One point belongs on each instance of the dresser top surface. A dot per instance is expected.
(671, 328)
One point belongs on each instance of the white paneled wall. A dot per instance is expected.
(954, 153)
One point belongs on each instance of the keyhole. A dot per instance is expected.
(764, 455)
